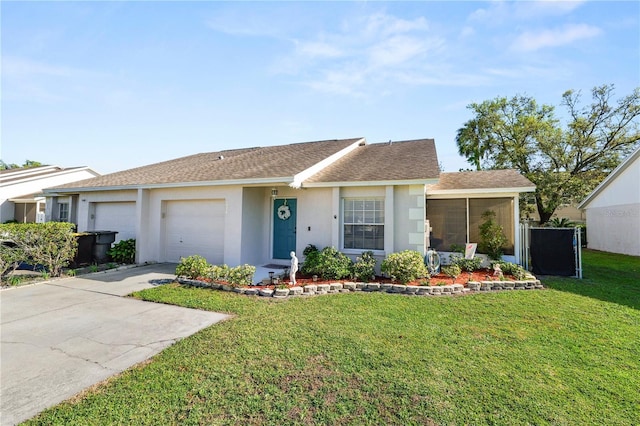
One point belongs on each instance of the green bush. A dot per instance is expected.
(51, 244)
(452, 271)
(492, 238)
(405, 266)
(192, 267)
(468, 265)
(517, 271)
(219, 272)
(333, 265)
(311, 265)
(123, 251)
(10, 258)
(241, 275)
(364, 267)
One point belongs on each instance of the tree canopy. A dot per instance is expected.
(564, 161)
(27, 164)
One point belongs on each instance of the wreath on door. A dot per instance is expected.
(284, 212)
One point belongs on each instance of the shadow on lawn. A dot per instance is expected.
(606, 276)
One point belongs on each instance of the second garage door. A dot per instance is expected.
(194, 227)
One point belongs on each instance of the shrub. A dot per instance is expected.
(333, 265)
(492, 237)
(219, 272)
(51, 244)
(241, 275)
(123, 251)
(365, 266)
(468, 265)
(517, 271)
(10, 258)
(452, 271)
(192, 267)
(405, 266)
(310, 266)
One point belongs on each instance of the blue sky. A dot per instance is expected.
(116, 85)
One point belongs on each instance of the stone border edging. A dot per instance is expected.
(347, 287)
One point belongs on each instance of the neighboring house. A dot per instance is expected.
(21, 197)
(256, 205)
(613, 210)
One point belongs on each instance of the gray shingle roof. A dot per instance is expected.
(484, 179)
(396, 161)
(237, 164)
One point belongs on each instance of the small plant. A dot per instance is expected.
(456, 248)
(93, 268)
(492, 237)
(452, 271)
(405, 266)
(14, 280)
(123, 251)
(72, 273)
(563, 222)
(517, 271)
(192, 267)
(45, 275)
(423, 282)
(364, 267)
(468, 265)
(111, 265)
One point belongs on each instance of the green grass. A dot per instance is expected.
(567, 355)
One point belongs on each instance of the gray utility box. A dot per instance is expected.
(103, 244)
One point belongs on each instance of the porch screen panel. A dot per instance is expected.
(503, 208)
(448, 220)
(363, 224)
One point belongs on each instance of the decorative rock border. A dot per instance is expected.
(347, 287)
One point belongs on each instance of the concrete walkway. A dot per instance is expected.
(62, 336)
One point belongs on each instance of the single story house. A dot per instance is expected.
(21, 197)
(256, 205)
(613, 210)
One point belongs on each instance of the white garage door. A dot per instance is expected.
(120, 217)
(194, 227)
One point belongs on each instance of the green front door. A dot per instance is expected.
(284, 228)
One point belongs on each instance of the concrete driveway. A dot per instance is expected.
(60, 337)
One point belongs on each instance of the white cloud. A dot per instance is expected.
(20, 67)
(499, 11)
(535, 40)
(319, 49)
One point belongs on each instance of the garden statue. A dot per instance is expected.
(294, 268)
(497, 270)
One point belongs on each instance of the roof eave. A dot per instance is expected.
(479, 191)
(621, 168)
(265, 181)
(371, 183)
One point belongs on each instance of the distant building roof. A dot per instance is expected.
(504, 180)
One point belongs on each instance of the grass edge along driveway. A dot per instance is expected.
(566, 355)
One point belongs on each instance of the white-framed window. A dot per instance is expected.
(63, 212)
(363, 223)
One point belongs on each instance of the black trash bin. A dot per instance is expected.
(102, 245)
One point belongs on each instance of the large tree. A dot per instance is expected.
(564, 161)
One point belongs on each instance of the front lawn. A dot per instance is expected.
(566, 355)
